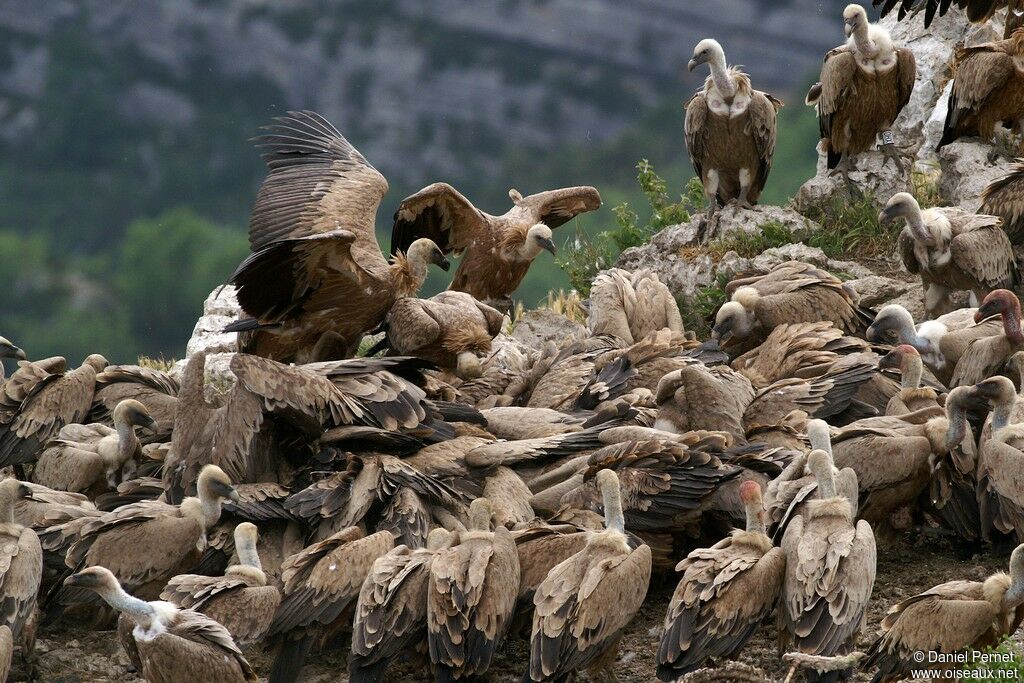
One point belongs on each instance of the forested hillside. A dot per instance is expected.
(125, 166)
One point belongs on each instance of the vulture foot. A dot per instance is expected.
(842, 170)
(891, 151)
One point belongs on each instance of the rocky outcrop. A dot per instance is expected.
(219, 310)
(968, 166)
(871, 173)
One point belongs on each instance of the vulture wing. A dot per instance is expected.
(439, 212)
(836, 78)
(696, 133)
(1004, 197)
(907, 251)
(982, 249)
(317, 182)
(980, 71)
(763, 111)
(557, 207)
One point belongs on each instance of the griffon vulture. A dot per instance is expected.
(988, 355)
(1004, 197)
(864, 85)
(631, 305)
(496, 250)
(155, 390)
(952, 250)
(730, 131)
(21, 564)
(1000, 495)
(317, 280)
(988, 89)
(951, 617)
(169, 645)
(452, 330)
(9, 350)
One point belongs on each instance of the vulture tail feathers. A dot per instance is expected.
(248, 324)
(290, 658)
(457, 412)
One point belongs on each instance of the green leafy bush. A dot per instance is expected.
(699, 310)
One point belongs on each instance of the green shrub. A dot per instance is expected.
(850, 227)
(998, 670)
(699, 310)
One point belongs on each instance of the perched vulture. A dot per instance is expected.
(730, 131)
(791, 292)
(724, 593)
(1000, 494)
(451, 329)
(988, 89)
(391, 614)
(830, 570)
(988, 355)
(582, 607)
(240, 600)
(169, 645)
(21, 564)
(952, 250)
(471, 597)
(912, 396)
(317, 280)
(55, 401)
(1004, 197)
(977, 10)
(496, 250)
(91, 458)
(864, 86)
(952, 617)
(631, 305)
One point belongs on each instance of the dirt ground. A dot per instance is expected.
(915, 563)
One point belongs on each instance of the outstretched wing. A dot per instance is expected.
(557, 207)
(439, 212)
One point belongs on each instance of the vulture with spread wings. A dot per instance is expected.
(317, 279)
(978, 11)
(497, 250)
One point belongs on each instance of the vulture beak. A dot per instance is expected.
(986, 391)
(890, 361)
(872, 334)
(440, 260)
(233, 495)
(848, 28)
(722, 331)
(9, 350)
(549, 245)
(986, 311)
(24, 492)
(887, 214)
(147, 423)
(693, 64)
(75, 580)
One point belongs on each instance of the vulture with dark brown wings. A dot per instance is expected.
(317, 280)
(977, 11)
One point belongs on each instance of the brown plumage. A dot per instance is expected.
(977, 10)
(155, 390)
(170, 645)
(865, 83)
(949, 618)
(92, 458)
(988, 89)
(451, 329)
(240, 600)
(53, 403)
(724, 593)
(586, 601)
(952, 250)
(912, 396)
(830, 570)
(21, 563)
(509, 496)
(730, 131)
(697, 397)
(496, 250)
(321, 584)
(148, 543)
(791, 292)
(391, 613)
(9, 350)
(631, 305)
(471, 596)
(23, 383)
(1000, 495)
(986, 356)
(317, 280)
(795, 350)
(1004, 197)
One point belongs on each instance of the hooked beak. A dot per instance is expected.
(722, 331)
(548, 245)
(9, 350)
(872, 334)
(148, 423)
(848, 29)
(24, 492)
(887, 214)
(694, 63)
(441, 261)
(985, 311)
(73, 580)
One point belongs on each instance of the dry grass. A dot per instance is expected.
(162, 364)
(924, 185)
(568, 304)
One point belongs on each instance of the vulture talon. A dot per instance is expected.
(890, 152)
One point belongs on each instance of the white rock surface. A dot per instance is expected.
(537, 327)
(219, 310)
(870, 172)
(967, 168)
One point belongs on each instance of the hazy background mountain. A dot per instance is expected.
(126, 174)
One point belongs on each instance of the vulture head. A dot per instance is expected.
(895, 359)
(11, 491)
(1015, 594)
(903, 205)
(998, 391)
(130, 412)
(750, 494)
(895, 321)
(438, 538)
(736, 318)
(96, 361)
(854, 16)
(423, 252)
(467, 365)
(819, 435)
(958, 401)
(1001, 302)
(214, 484)
(149, 617)
(538, 238)
(98, 579)
(9, 350)
(708, 51)
(480, 514)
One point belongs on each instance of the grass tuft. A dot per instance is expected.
(160, 363)
(850, 228)
(698, 311)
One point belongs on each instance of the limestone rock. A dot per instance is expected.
(871, 173)
(537, 327)
(876, 290)
(968, 166)
(219, 310)
(770, 258)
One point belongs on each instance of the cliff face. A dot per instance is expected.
(439, 86)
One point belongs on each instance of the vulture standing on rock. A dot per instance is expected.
(978, 11)
(952, 250)
(496, 250)
(830, 570)
(170, 645)
(864, 85)
(951, 617)
(724, 593)
(988, 89)
(452, 330)
(730, 131)
(317, 280)
(1004, 197)
(582, 607)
